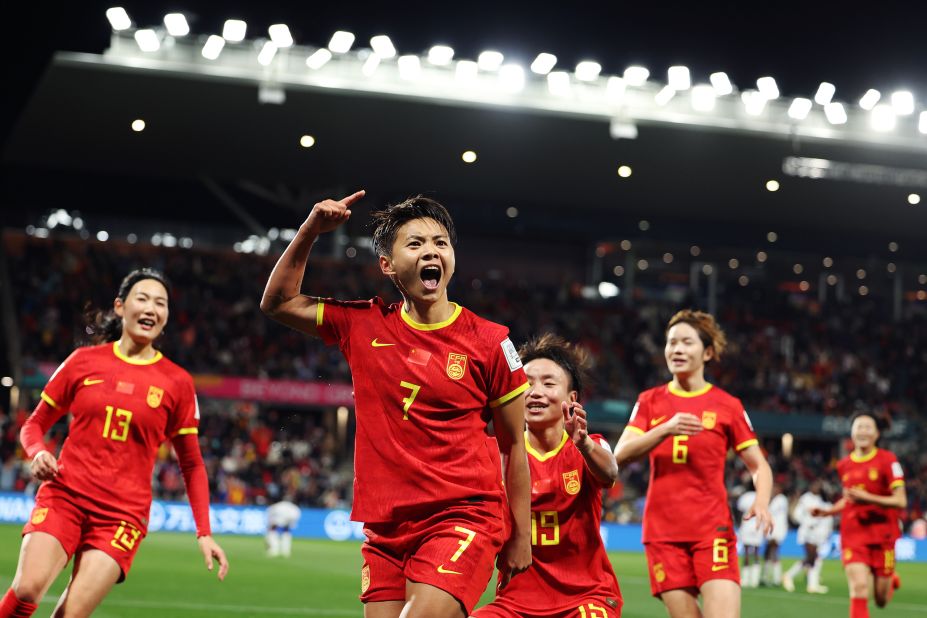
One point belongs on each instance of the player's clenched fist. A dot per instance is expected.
(44, 466)
(329, 214)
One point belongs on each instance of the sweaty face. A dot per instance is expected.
(864, 432)
(549, 386)
(144, 312)
(422, 263)
(685, 353)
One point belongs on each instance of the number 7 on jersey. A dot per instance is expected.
(407, 402)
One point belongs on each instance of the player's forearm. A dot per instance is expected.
(632, 447)
(193, 470)
(286, 279)
(762, 483)
(518, 488)
(601, 463)
(898, 500)
(32, 434)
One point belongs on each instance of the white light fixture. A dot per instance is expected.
(318, 58)
(176, 24)
(383, 46)
(588, 71)
(118, 18)
(883, 118)
(772, 186)
(914, 199)
(922, 122)
(370, 65)
(138, 125)
(703, 98)
(835, 113)
(558, 82)
(213, 47)
(490, 60)
(307, 141)
(624, 171)
(754, 102)
(234, 30)
(903, 102)
(410, 68)
(636, 75)
(147, 40)
(678, 78)
(266, 56)
(280, 35)
(102, 235)
(466, 71)
(341, 42)
(768, 88)
(512, 78)
(468, 156)
(440, 55)
(721, 83)
(544, 63)
(614, 90)
(607, 289)
(825, 93)
(665, 95)
(869, 100)
(800, 108)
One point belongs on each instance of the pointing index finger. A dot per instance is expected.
(349, 200)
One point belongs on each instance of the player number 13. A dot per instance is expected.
(117, 428)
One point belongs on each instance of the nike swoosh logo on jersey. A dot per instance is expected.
(377, 344)
(719, 567)
(89, 382)
(441, 569)
(657, 421)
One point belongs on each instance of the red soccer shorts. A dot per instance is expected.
(880, 558)
(590, 607)
(453, 550)
(59, 514)
(691, 564)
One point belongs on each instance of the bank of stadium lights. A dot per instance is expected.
(835, 113)
(703, 98)
(678, 78)
(903, 103)
(615, 88)
(148, 40)
(383, 46)
(754, 102)
(636, 76)
(440, 55)
(511, 78)
(588, 71)
(320, 58)
(825, 93)
(883, 118)
(665, 95)
(213, 47)
(721, 83)
(800, 108)
(280, 35)
(370, 65)
(558, 82)
(176, 24)
(544, 63)
(234, 30)
(341, 42)
(490, 60)
(466, 72)
(409, 67)
(267, 53)
(869, 100)
(118, 18)
(768, 88)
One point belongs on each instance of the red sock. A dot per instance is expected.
(11, 607)
(859, 608)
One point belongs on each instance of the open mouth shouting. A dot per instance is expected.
(431, 276)
(146, 324)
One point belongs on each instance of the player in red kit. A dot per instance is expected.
(873, 491)
(688, 426)
(428, 376)
(570, 575)
(125, 398)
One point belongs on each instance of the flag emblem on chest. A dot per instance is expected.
(154, 396)
(456, 365)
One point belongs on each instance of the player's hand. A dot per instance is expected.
(44, 466)
(514, 558)
(818, 512)
(329, 214)
(211, 550)
(683, 424)
(574, 421)
(764, 521)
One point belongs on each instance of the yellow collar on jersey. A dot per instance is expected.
(135, 361)
(681, 393)
(545, 456)
(419, 326)
(863, 458)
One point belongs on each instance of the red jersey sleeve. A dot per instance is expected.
(894, 471)
(640, 415)
(59, 391)
(742, 435)
(185, 417)
(507, 378)
(333, 317)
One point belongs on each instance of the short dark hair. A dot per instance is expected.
(882, 422)
(573, 359)
(386, 222)
(705, 325)
(106, 326)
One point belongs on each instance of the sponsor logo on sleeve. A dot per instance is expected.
(196, 405)
(747, 418)
(637, 406)
(897, 472)
(511, 355)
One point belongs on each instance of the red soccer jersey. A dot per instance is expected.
(423, 396)
(687, 499)
(568, 559)
(879, 473)
(122, 410)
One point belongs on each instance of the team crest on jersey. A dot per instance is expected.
(571, 482)
(873, 474)
(365, 579)
(154, 396)
(456, 365)
(709, 419)
(39, 515)
(658, 573)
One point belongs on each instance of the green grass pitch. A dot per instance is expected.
(322, 579)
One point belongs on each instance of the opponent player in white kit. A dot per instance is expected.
(282, 517)
(752, 538)
(779, 509)
(814, 534)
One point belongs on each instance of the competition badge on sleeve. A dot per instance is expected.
(511, 355)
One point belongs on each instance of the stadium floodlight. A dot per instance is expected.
(678, 78)
(118, 18)
(558, 82)
(636, 75)
(383, 46)
(234, 30)
(266, 56)
(768, 88)
(869, 100)
(512, 78)
(147, 40)
(703, 98)
(835, 113)
(607, 289)
(883, 118)
(440, 55)
(903, 102)
(544, 63)
(318, 58)
(614, 90)
(721, 83)
(825, 93)
(922, 122)
(489, 60)
(588, 71)
(410, 67)
(370, 65)
(466, 71)
(665, 95)
(800, 108)
(280, 35)
(754, 102)
(341, 42)
(176, 24)
(213, 47)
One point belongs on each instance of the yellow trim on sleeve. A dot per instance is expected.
(746, 444)
(508, 397)
(135, 361)
(50, 401)
(634, 429)
(319, 312)
(437, 325)
(545, 456)
(863, 458)
(187, 431)
(681, 393)
(895, 484)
